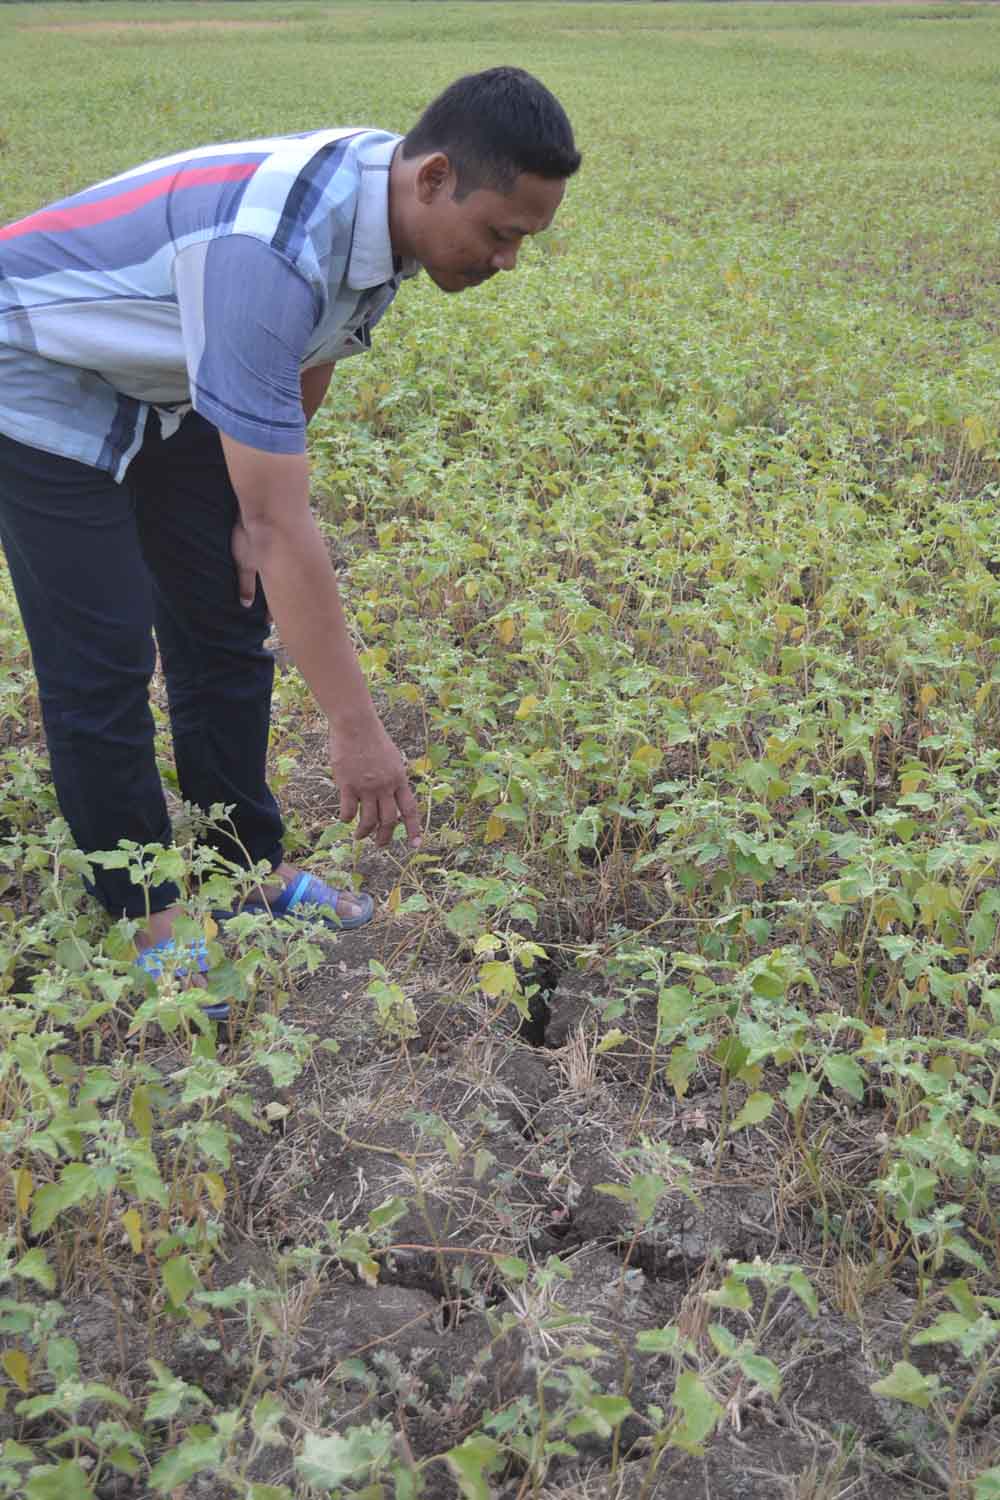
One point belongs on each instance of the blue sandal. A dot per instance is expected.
(151, 961)
(308, 891)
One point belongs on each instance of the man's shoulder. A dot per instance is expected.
(307, 176)
(303, 198)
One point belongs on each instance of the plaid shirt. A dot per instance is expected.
(208, 279)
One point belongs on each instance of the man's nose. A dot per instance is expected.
(505, 259)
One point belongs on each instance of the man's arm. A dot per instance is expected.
(315, 383)
(302, 594)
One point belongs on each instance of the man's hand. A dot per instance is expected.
(246, 566)
(371, 776)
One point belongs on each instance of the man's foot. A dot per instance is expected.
(298, 889)
(158, 952)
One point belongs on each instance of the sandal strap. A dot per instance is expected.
(293, 895)
(151, 960)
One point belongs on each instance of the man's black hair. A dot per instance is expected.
(492, 126)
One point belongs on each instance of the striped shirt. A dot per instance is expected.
(208, 279)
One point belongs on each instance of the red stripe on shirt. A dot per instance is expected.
(83, 215)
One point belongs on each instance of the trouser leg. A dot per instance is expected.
(84, 592)
(217, 669)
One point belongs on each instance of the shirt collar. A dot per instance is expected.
(372, 262)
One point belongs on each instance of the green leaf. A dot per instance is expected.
(905, 1383)
(699, 1412)
(200, 1450)
(17, 1453)
(63, 1359)
(800, 1088)
(844, 1073)
(800, 1284)
(179, 1279)
(76, 1184)
(962, 1297)
(947, 1328)
(386, 1214)
(732, 1293)
(762, 1372)
(213, 1140)
(464, 919)
(65, 1481)
(73, 954)
(266, 1419)
(987, 1486)
(35, 1267)
(658, 1340)
(725, 1343)
(327, 1462)
(512, 1266)
(611, 1409)
(584, 830)
(757, 1107)
(170, 1394)
(470, 1462)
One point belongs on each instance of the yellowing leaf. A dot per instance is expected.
(527, 706)
(216, 1190)
(24, 1186)
(132, 1225)
(18, 1366)
(611, 1039)
(928, 695)
(647, 758)
(421, 765)
(982, 694)
(505, 631)
(368, 1271)
(495, 829)
(375, 659)
(394, 899)
(211, 927)
(498, 978)
(975, 432)
(833, 894)
(142, 1111)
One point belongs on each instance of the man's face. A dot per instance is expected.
(463, 242)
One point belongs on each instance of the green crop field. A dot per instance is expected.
(647, 1147)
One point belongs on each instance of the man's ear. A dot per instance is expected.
(434, 177)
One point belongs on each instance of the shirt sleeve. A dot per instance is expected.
(246, 319)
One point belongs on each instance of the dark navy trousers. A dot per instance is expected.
(97, 567)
